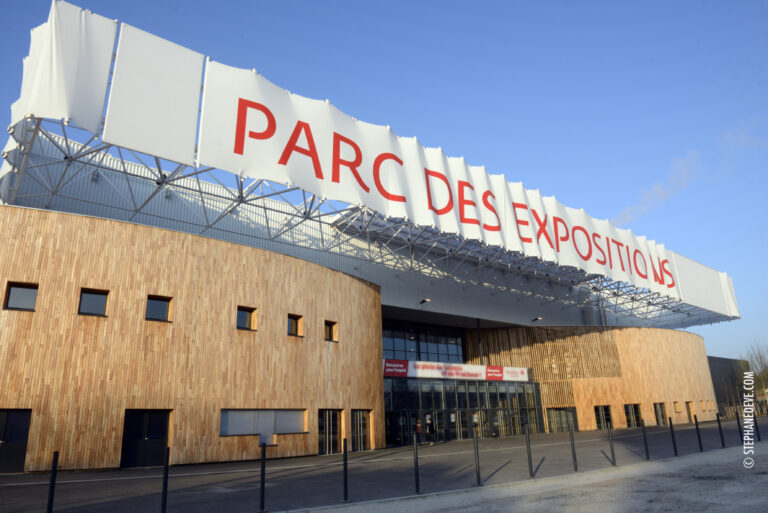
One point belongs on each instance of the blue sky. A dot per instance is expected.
(654, 114)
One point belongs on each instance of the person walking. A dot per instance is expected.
(419, 430)
(430, 431)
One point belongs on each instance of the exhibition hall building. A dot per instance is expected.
(194, 257)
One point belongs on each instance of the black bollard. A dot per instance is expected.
(757, 429)
(573, 449)
(698, 433)
(610, 440)
(528, 445)
(477, 462)
(645, 441)
(263, 476)
(720, 428)
(741, 433)
(166, 462)
(346, 474)
(672, 432)
(416, 463)
(52, 485)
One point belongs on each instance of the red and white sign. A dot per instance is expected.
(438, 370)
(254, 128)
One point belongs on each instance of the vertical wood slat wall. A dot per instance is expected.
(586, 366)
(78, 374)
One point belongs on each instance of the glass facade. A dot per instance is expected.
(457, 407)
(405, 341)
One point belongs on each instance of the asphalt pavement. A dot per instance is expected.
(317, 481)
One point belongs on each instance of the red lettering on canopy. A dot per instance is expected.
(658, 276)
(242, 113)
(581, 229)
(665, 268)
(619, 245)
(520, 222)
(644, 273)
(310, 152)
(463, 201)
(489, 206)
(595, 237)
(377, 176)
(555, 221)
(351, 164)
(542, 228)
(449, 206)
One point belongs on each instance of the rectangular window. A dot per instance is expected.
(331, 331)
(158, 308)
(21, 296)
(262, 422)
(660, 409)
(246, 318)
(93, 302)
(295, 325)
(677, 407)
(703, 406)
(603, 417)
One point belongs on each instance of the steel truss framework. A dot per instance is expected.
(59, 166)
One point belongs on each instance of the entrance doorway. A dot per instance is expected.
(689, 409)
(145, 437)
(360, 430)
(328, 427)
(14, 431)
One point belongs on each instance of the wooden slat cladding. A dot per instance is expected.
(583, 367)
(78, 373)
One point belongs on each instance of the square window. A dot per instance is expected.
(21, 296)
(93, 302)
(295, 325)
(158, 308)
(246, 318)
(331, 331)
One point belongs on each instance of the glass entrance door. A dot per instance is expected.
(328, 426)
(360, 430)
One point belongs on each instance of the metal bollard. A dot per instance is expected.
(166, 461)
(698, 433)
(528, 445)
(757, 429)
(573, 449)
(741, 433)
(263, 476)
(720, 429)
(346, 473)
(672, 432)
(645, 441)
(477, 462)
(52, 485)
(416, 463)
(610, 440)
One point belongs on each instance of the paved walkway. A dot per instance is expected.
(317, 481)
(702, 482)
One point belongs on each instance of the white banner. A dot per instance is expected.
(252, 127)
(438, 370)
